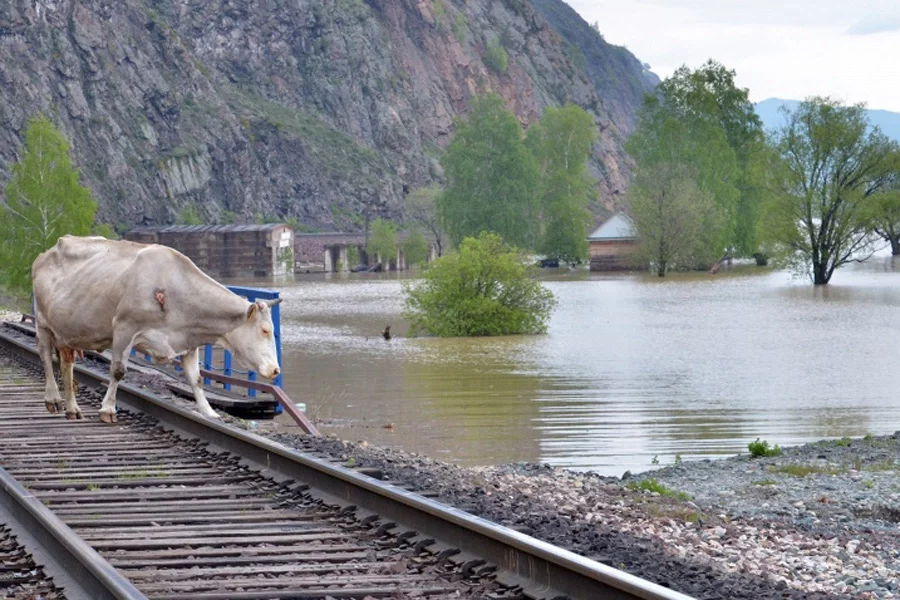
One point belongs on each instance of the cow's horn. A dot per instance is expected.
(272, 303)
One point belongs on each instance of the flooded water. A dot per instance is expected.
(633, 368)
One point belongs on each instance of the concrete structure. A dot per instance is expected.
(330, 252)
(612, 244)
(228, 250)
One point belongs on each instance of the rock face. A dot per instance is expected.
(323, 110)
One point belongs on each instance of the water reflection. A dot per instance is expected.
(632, 367)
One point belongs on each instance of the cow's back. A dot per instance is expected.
(77, 287)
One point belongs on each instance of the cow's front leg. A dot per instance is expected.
(191, 365)
(51, 391)
(66, 368)
(116, 373)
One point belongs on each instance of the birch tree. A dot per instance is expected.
(42, 202)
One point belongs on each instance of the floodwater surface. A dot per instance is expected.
(634, 370)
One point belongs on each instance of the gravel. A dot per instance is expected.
(818, 521)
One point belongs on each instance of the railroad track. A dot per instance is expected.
(167, 504)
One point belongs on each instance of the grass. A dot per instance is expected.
(762, 448)
(797, 470)
(765, 482)
(652, 485)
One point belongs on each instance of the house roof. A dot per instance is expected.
(618, 227)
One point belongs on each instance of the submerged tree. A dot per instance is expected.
(561, 144)
(673, 216)
(483, 288)
(42, 202)
(882, 212)
(667, 143)
(831, 165)
(492, 177)
(415, 248)
(422, 209)
(382, 241)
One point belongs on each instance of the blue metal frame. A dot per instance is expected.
(227, 368)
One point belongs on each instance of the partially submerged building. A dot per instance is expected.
(612, 244)
(228, 250)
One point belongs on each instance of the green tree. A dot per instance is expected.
(709, 94)
(105, 230)
(382, 241)
(492, 177)
(483, 288)
(188, 215)
(415, 248)
(668, 142)
(422, 209)
(832, 163)
(674, 217)
(495, 57)
(882, 212)
(42, 202)
(561, 144)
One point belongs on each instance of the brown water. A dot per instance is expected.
(632, 368)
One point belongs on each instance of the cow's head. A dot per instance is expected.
(253, 343)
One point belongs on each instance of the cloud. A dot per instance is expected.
(875, 24)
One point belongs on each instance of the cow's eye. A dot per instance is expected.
(266, 332)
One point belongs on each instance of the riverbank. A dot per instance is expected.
(819, 521)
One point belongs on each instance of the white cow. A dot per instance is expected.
(92, 293)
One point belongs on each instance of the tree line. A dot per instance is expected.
(709, 183)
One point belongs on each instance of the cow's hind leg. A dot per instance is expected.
(190, 362)
(66, 368)
(51, 390)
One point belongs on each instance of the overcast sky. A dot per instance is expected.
(780, 48)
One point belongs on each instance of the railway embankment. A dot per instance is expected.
(818, 521)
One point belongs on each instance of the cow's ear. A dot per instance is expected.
(251, 309)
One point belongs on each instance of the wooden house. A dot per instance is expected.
(612, 244)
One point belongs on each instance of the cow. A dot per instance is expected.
(92, 293)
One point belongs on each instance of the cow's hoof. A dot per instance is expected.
(76, 414)
(51, 408)
(211, 415)
(108, 417)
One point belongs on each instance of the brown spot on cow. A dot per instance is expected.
(160, 296)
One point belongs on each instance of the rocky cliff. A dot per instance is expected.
(323, 110)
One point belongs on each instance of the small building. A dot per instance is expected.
(612, 244)
(228, 250)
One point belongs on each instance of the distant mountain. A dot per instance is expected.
(769, 111)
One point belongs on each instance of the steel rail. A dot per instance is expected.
(61, 551)
(543, 570)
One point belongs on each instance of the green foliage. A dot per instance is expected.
(762, 448)
(561, 144)
(105, 230)
(709, 94)
(460, 28)
(796, 470)
(43, 201)
(422, 209)
(382, 240)
(674, 218)
(652, 485)
(831, 164)
(492, 177)
(704, 127)
(685, 147)
(229, 217)
(881, 213)
(352, 255)
(415, 248)
(484, 288)
(495, 57)
(188, 215)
